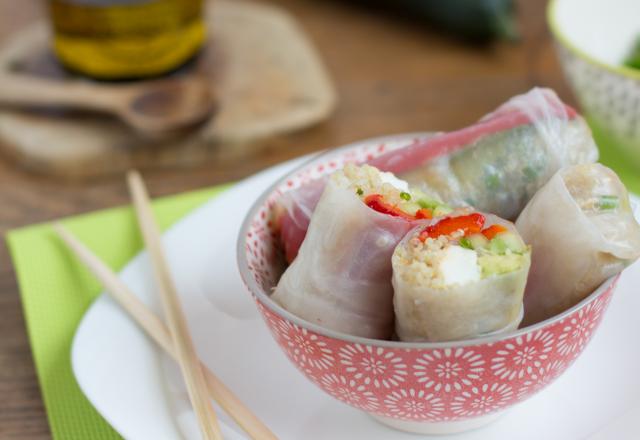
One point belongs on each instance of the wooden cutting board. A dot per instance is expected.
(267, 75)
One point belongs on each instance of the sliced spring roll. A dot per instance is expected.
(341, 278)
(583, 231)
(495, 165)
(461, 277)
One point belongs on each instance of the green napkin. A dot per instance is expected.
(56, 291)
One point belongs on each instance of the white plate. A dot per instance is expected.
(121, 371)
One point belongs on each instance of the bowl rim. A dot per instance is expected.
(259, 293)
(555, 27)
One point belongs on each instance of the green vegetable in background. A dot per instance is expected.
(476, 20)
(633, 59)
(473, 19)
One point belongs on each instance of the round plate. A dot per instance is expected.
(123, 374)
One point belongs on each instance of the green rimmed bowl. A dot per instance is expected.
(593, 37)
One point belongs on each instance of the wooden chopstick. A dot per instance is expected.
(156, 329)
(174, 315)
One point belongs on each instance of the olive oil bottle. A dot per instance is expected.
(126, 39)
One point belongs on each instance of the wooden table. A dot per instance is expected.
(392, 77)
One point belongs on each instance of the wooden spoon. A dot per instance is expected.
(154, 109)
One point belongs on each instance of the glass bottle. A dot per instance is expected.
(126, 39)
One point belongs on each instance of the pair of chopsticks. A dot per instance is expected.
(173, 338)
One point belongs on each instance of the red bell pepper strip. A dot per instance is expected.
(376, 202)
(470, 224)
(493, 230)
(424, 213)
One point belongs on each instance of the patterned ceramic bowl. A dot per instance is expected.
(593, 37)
(418, 387)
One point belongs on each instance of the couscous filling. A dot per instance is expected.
(458, 250)
(385, 193)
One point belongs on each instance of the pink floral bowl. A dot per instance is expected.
(428, 388)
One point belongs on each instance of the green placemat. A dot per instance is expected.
(56, 291)
(612, 156)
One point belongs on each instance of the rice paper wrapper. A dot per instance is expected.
(299, 205)
(499, 170)
(489, 306)
(341, 278)
(574, 253)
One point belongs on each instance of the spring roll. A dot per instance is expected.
(505, 157)
(495, 165)
(583, 231)
(341, 278)
(461, 277)
(298, 206)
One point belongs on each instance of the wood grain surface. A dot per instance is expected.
(392, 76)
(267, 78)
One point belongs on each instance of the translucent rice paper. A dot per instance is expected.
(299, 205)
(341, 278)
(488, 306)
(495, 165)
(512, 152)
(575, 250)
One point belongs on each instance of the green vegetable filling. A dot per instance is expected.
(436, 207)
(492, 181)
(608, 203)
(465, 243)
(499, 245)
(499, 264)
(478, 241)
(502, 254)
(530, 174)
